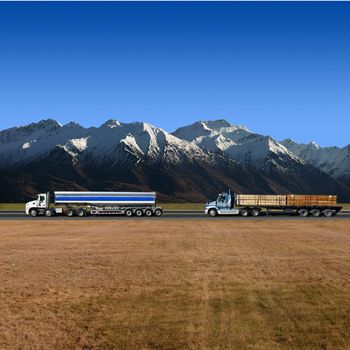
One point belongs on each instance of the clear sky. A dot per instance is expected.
(281, 69)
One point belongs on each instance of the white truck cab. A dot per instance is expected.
(39, 206)
(222, 206)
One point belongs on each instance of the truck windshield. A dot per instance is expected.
(221, 198)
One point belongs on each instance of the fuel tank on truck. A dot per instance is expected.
(106, 198)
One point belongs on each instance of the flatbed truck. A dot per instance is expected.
(257, 204)
(94, 203)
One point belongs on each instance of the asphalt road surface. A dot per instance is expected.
(170, 215)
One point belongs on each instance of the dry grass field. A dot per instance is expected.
(175, 284)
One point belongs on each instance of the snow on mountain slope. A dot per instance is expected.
(204, 130)
(238, 143)
(143, 140)
(21, 145)
(261, 151)
(194, 162)
(334, 161)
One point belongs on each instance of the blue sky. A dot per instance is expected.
(281, 69)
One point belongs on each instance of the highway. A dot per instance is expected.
(169, 215)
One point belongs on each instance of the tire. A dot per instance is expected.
(212, 212)
(316, 213)
(158, 212)
(70, 212)
(138, 212)
(327, 213)
(303, 213)
(244, 212)
(48, 213)
(148, 212)
(128, 212)
(33, 212)
(81, 212)
(255, 212)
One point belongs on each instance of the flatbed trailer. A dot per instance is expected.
(257, 204)
(94, 203)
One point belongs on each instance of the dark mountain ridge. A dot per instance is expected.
(193, 164)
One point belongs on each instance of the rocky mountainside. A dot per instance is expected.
(334, 161)
(194, 163)
(238, 143)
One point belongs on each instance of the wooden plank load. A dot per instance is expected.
(289, 200)
(261, 200)
(300, 200)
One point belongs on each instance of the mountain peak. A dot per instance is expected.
(313, 144)
(111, 123)
(216, 124)
(19, 131)
(288, 141)
(72, 125)
(222, 124)
(44, 123)
(209, 128)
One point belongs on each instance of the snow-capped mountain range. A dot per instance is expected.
(334, 161)
(192, 163)
(238, 143)
(22, 145)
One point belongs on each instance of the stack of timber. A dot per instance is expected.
(300, 200)
(286, 200)
(261, 200)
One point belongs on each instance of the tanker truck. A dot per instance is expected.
(258, 204)
(94, 203)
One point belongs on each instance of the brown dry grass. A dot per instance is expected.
(175, 285)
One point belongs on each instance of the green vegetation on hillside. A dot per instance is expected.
(182, 206)
(12, 206)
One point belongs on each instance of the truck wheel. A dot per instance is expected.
(148, 212)
(138, 212)
(304, 213)
(255, 212)
(48, 212)
(328, 213)
(33, 212)
(70, 213)
(81, 212)
(244, 212)
(213, 212)
(316, 213)
(128, 212)
(158, 212)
